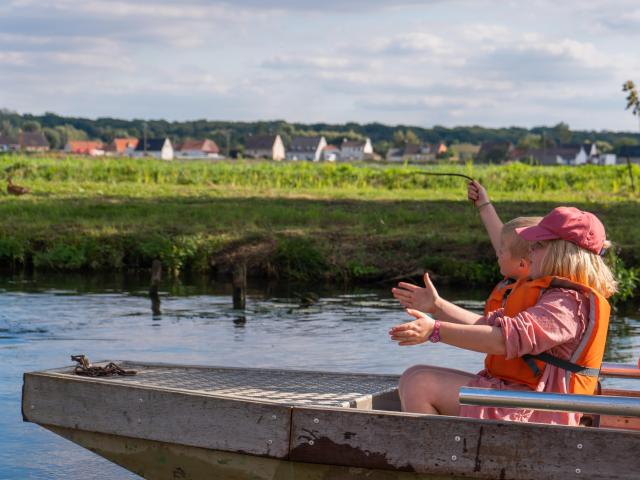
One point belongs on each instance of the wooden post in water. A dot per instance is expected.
(156, 277)
(239, 282)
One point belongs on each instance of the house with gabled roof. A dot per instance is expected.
(413, 153)
(306, 148)
(9, 143)
(84, 147)
(154, 147)
(356, 149)
(330, 153)
(564, 154)
(25, 141)
(194, 149)
(121, 146)
(264, 146)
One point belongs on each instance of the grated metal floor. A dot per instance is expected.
(279, 386)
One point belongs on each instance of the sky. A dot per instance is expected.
(425, 63)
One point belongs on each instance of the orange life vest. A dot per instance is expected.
(583, 367)
(499, 295)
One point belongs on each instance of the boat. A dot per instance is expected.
(194, 422)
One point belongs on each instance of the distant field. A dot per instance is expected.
(297, 220)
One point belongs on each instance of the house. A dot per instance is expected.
(154, 147)
(631, 152)
(464, 151)
(330, 153)
(264, 146)
(356, 149)
(494, 152)
(306, 148)
(121, 146)
(193, 149)
(566, 154)
(9, 143)
(25, 141)
(415, 153)
(84, 147)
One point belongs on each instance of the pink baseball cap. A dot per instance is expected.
(570, 224)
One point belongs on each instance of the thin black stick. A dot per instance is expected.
(447, 174)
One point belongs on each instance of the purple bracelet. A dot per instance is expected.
(435, 334)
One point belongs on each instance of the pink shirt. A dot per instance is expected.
(555, 324)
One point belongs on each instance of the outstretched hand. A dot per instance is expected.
(414, 332)
(415, 297)
(477, 194)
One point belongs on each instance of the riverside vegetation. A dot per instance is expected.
(301, 221)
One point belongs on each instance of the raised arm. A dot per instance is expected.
(492, 223)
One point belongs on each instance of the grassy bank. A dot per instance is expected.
(288, 220)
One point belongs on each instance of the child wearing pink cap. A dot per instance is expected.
(549, 337)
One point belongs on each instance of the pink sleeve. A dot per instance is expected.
(554, 320)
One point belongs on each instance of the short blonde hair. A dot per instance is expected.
(518, 246)
(566, 259)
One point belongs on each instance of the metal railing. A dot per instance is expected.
(597, 404)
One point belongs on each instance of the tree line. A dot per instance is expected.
(231, 135)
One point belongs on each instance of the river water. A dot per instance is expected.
(45, 319)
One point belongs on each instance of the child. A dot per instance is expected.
(511, 250)
(550, 336)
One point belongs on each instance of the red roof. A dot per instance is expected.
(83, 146)
(207, 146)
(120, 145)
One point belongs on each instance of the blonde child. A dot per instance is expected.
(512, 253)
(550, 335)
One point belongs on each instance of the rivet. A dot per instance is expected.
(454, 458)
(457, 438)
(273, 417)
(33, 407)
(140, 400)
(578, 471)
(315, 420)
(269, 442)
(139, 420)
(579, 446)
(310, 442)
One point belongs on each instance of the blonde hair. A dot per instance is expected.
(566, 259)
(518, 246)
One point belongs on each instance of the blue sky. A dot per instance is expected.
(455, 62)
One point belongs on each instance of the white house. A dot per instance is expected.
(330, 153)
(566, 154)
(264, 146)
(154, 147)
(306, 148)
(194, 149)
(356, 149)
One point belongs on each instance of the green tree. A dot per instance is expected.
(529, 141)
(562, 132)
(411, 137)
(398, 138)
(633, 104)
(54, 138)
(31, 126)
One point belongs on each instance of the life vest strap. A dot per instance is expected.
(560, 363)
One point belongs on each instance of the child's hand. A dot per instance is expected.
(418, 298)
(415, 332)
(477, 193)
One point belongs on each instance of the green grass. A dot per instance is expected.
(296, 220)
